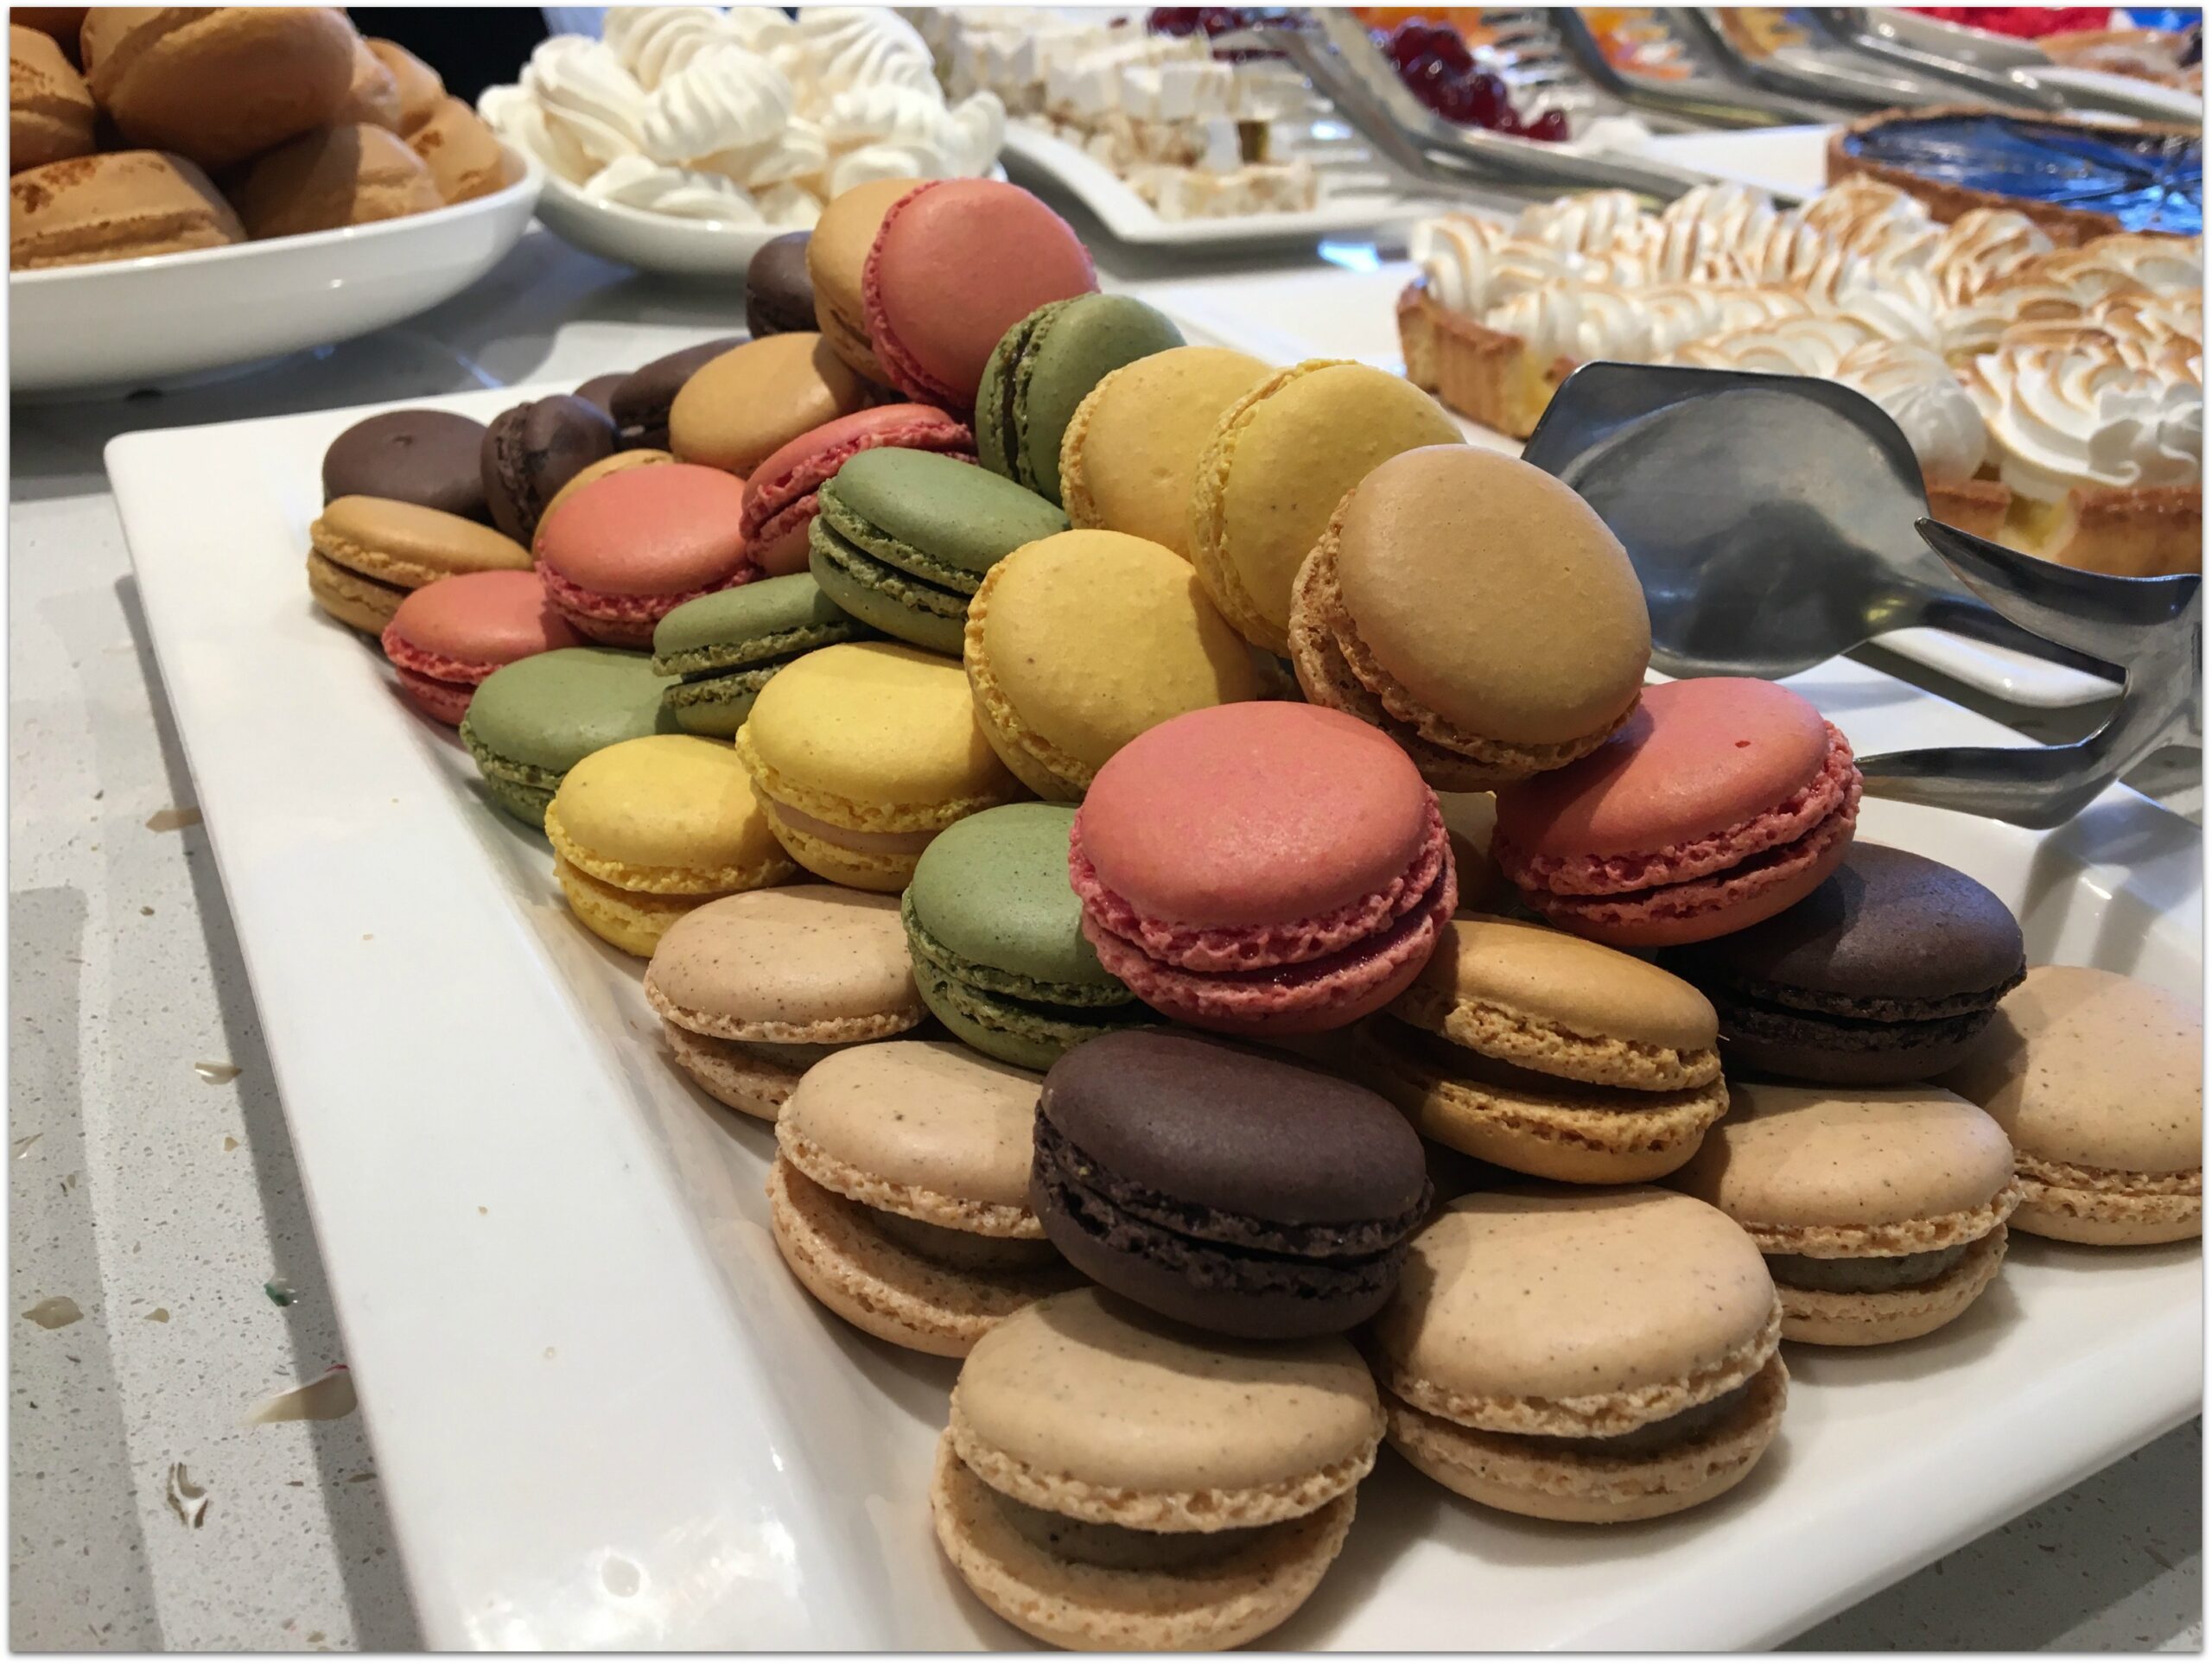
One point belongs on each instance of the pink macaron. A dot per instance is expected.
(623, 551)
(1718, 804)
(955, 263)
(779, 501)
(1262, 869)
(448, 636)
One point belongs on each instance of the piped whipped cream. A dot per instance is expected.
(745, 117)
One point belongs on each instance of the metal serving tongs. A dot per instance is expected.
(1741, 104)
(1869, 34)
(1778, 521)
(1336, 54)
(1836, 83)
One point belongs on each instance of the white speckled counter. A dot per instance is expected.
(139, 1189)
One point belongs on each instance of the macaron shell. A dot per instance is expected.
(734, 626)
(671, 813)
(1130, 457)
(1070, 346)
(1079, 643)
(552, 710)
(799, 469)
(1545, 1000)
(957, 263)
(1493, 596)
(1279, 464)
(481, 619)
(1819, 1170)
(1088, 1407)
(653, 532)
(1254, 814)
(427, 457)
(992, 891)
(837, 258)
(632, 920)
(739, 409)
(943, 519)
(2094, 1069)
(1582, 1312)
(955, 1151)
(875, 735)
(360, 603)
(755, 1080)
(807, 962)
(619, 462)
(407, 545)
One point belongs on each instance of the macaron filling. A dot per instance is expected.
(1654, 1437)
(962, 1250)
(846, 837)
(521, 782)
(1865, 1274)
(1122, 1548)
(857, 542)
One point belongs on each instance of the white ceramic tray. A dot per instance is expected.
(127, 324)
(1286, 317)
(606, 1417)
(1035, 158)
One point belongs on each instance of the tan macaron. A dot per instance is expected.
(1550, 1054)
(836, 262)
(1130, 454)
(118, 206)
(751, 986)
(364, 554)
(51, 115)
(2098, 1080)
(738, 410)
(901, 1193)
(1112, 1481)
(1881, 1210)
(1594, 1356)
(331, 177)
(1477, 610)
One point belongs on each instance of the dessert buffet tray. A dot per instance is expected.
(128, 324)
(1337, 313)
(605, 1415)
(1052, 166)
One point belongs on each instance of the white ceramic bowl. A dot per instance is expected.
(662, 242)
(128, 324)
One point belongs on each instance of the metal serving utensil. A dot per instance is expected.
(1778, 521)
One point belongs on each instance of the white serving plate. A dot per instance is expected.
(129, 324)
(1036, 158)
(1333, 312)
(606, 1417)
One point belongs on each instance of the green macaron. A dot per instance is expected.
(1045, 366)
(725, 646)
(904, 538)
(533, 721)
(995, 931)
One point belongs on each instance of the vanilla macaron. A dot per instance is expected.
(899, 1194)
(1549, 1055)
(1592, 1356)
(754, 989)
(2098, 1080)
(1881, 1210)
(1109, 1481)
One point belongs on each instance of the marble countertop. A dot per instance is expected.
(153, 1185)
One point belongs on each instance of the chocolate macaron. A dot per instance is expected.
(427, 457)
(779, 293)
(1889, 972)
(640, 401)
(1224, 1187)
(532, 450)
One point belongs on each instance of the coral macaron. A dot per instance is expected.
(629, 548)
(956, 264)
(448, 636)
(780, 494)
(1263, 868)
(1718, 804)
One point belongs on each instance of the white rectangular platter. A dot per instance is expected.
(606, 1417)
(1337, 313)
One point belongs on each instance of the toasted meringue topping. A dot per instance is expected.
(1939, 419)
(1982, 247)
(1588, 223)
(2059, 416)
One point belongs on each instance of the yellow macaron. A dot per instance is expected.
(649, 828)
(862, 752)
(1131, 451)
(1280, 462)
(1078, 643)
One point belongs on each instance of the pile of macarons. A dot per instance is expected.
(1030, 757)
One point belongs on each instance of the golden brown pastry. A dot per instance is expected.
(374, 95)
(420, 88)
(331, 177)
(464, 155)
(218, 84)
(50, 110)
(61, 23)
(115, 207)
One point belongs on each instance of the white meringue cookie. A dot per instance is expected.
(654, 42)
(762, 27)
(1918, 392)
(637, 183)
(799, 152)
(516, 116)
(846, 46)
(589, 98)
(886, 159)
(788, 206)
(725, 97)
